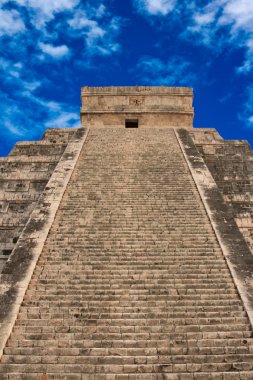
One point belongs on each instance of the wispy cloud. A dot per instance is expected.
(57, 52)
(14, 129)
(224, 22)
(175, 71)
(227, 23)
(215, 24)
(11, 22)
(238, 13)
(247, 113)
(225, 98)
(42, 11)
(40, 112)
(247, 65)
(38, 36)
(155, 7)
(72, 20)
(63, 120)
(100, 37)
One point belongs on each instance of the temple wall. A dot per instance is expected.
(152, 106)
(149, 120)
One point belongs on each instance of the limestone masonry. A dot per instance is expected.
(154, 107)
(126, 246)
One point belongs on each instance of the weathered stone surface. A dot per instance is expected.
(152, 106)
(235, 249)
(133, 285)
(131, 264)
(231, 165)
(17, 272)
(23, 177)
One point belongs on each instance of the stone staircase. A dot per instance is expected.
(132, 283)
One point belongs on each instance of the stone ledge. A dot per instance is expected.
(130, 110)
(137, 90)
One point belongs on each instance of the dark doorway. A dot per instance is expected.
(131, 123)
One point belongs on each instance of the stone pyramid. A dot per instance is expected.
(126, 246)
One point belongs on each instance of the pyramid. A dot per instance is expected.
(126, 246)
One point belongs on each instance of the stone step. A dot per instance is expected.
(121, 333)
(114, 313)
(162, 345)
(146, 376)
(124, 331)
(173, 294)
(163, 367)
(132, 343)
(139, 252)
(242, 375)
(145, 276)
(129, 360)
(51, 349)
(132, 260)
(103, 272)
(140, 290)
(200, 304)
(129, 319)
(125, 285)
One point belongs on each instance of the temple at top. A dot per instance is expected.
(153, 107)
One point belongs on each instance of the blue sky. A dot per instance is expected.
(50, 48)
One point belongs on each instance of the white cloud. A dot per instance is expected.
(99, 35)
(239, 13)
(14, 129)
(45, 10)
(247, 65)
(31, 85)
(52, 30)
(64, 120)
(40, 113)
(97, 27)
(223, 22)
(204, 19)
(215, 24)
(247, 114)
(57, 52)
(155, 7)
(226, 23)
(15, 73)
(175, 71)
(225, 98)
(100, 11)
(12, 70)
(90, 28)
(11, 22)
